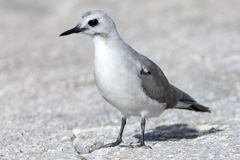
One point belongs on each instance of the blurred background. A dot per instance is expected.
(46, 81)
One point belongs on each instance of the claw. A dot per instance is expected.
(114, 144)
(136, 146)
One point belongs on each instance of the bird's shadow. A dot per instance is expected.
(175, 132)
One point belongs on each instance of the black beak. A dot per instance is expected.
(70, 31)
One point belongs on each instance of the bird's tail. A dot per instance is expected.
(193, 106)
(187, 102)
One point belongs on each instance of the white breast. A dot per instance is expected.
(116, 76)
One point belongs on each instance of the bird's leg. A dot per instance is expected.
(143, 129)
(142, 144)
(119, 139)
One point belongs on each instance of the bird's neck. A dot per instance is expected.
(107, 42)
(108, 50)
(106, 37)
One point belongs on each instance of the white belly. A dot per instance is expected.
(116, 77)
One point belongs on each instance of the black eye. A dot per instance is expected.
(93, 22)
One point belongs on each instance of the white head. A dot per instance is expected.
(94, 23)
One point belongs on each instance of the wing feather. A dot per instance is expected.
(155, 83)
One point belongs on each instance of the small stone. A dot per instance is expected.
(65, 138)
(84, 144)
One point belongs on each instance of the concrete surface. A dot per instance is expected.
(51, 109)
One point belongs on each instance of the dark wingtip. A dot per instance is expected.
(207, 110)
(194, 106)
(200, 108)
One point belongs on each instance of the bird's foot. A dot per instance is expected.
(137, 146)
(114, 144)
(145, 147)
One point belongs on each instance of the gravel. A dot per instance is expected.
(51, 109)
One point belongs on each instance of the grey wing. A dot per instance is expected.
(182, 96)
(155, 84)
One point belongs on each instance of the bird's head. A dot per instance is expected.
(94, 23)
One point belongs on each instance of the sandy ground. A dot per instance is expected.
(50, 107)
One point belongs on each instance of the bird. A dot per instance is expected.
(128, 80)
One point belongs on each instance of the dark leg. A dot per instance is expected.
(119, 139)
(143, 129)
(142, 144)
